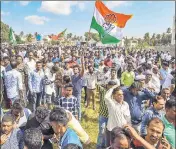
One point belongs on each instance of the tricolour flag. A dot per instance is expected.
(12, 38)
(108, 24)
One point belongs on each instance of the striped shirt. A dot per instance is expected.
(103, 110)
(70, 104)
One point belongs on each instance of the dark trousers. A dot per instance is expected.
(85, 91)
(108, 138)
(36, 100)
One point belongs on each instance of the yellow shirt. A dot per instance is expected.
(127, 78)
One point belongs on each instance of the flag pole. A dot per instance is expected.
(91, 22)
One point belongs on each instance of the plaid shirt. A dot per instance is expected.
(70, 104)
(103, 111)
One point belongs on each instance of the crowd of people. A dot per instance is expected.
(44, 87)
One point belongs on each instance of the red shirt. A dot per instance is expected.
(108, 62)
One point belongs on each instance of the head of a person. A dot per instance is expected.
(135, 88)
(44, 64)
(66, 79)
(155, 128)
(170, 108)
(72, 146)
(68, 90)
(118, 95)
(76, 69)
(102, 62)
(66, 65)
(33, 138)
(148, 76)
(54, 69)
(17, 110)
(19, 59)
(113, 72)
(41, 113)
(130, 67)
(120, 139)
(30, 55)
(90, 68)
(7, 124)
(59, 120)
(6, 60)
(140, 70)
(165, 65)
(13, 64)
(155, 70)
(111, 84)
(39, 65)
(165, 93)
(105, 69)
(159, 103)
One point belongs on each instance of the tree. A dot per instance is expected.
(4, 32)
(158, 37)
(153, 40)
(147, 38)
(21, 34)
(88, 36)
(163, 39)
(29, 37)
(126, 42)
(95, 36)
(168, 30)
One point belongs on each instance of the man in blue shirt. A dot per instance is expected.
(77, 84)
(35, 82)
(157, 110)
(59, 120)
(136, 98)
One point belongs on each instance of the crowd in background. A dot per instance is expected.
(42, 88)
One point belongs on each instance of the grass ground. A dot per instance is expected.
(90, 123)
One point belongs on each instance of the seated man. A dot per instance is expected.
(33, 139)
(155, 129)
(11, 138)
(59, 121)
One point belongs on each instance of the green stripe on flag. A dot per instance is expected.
(107, 39)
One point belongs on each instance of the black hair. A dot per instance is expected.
(42, 112)
(170, 103)
(155, 100)
(119, 132)
(72, 146)
(116, 90)
(6, 57)
(39, 62)
(13, 64)
(157, 121)
(33, 138)
(59, 115)
(66, 79)
(113, 69)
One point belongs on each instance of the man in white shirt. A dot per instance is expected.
(113, 77)
(68, 71)
(91, 79)
(156, 79)
(30, 62)
(13, 83)
(119, 113)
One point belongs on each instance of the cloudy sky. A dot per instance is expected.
(47, 17)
